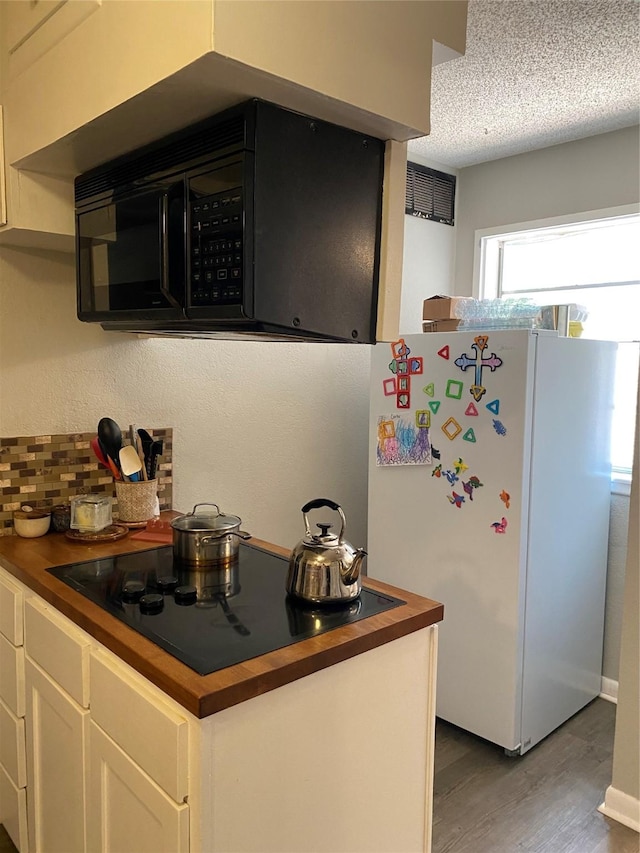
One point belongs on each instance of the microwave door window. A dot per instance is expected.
(122, 245)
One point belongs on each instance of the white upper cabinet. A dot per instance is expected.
(87, 80)
(83, 81)
(31, 28)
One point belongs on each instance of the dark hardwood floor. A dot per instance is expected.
(6, 844)
(542, 802)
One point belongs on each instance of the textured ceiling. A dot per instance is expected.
(535, 73)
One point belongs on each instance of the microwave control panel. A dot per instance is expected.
(216, 249)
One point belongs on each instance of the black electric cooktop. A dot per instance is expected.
(214, 618)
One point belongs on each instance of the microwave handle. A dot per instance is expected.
(165, 287)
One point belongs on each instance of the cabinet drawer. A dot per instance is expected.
(11, 611)
(142, 722)
(12, 676)
(12, 746)
(59, 648)
(13, 811)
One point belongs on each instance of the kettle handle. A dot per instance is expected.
(316, 504)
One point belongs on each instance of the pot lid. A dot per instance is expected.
(31, 512)
(207, 520)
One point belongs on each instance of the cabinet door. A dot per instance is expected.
(127, 811)
(56, 736)
(12, 754)
(13, 811)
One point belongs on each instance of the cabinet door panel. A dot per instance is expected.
(12, 676)
(13, 811)
(128, 812)
(12, 754)
(56, 731)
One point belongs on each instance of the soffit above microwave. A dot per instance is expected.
(258, 222)
(353, 64)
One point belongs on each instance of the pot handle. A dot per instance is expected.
(316, 504)
(193, 511)
(241, 534)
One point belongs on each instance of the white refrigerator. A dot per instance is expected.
(489, 490)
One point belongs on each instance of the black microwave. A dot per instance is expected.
(257, 222)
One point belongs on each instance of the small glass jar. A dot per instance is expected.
(61, 517)
(90, 513)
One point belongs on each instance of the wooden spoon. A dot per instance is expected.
(130, 463)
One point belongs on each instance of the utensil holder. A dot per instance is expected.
(137, 501)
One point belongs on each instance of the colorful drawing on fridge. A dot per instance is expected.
(402, 441)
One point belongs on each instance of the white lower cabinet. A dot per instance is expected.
(13, 772)
(106, 752)
(114, 765)
(56, 759)
(127, 811)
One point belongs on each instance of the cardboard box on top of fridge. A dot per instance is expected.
(440, 325)
(442, 307)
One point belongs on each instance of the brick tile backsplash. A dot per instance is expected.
(45, 470)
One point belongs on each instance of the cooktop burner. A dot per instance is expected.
(215, 618)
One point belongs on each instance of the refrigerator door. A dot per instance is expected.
(568, 531)
(454, 529)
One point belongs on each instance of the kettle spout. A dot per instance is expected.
(353, 572)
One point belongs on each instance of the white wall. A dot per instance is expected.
(589, 174)
(618, 530)
(428, 257)
(260, 428)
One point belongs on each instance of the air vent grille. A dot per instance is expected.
(181, 149)
(430, 194)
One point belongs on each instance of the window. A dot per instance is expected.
(595, 264)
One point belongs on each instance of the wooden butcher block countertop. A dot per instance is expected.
(28, 559)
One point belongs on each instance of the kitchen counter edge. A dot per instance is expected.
(28, 560)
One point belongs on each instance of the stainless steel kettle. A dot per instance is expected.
(323, 567)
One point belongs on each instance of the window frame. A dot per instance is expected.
(486, 269)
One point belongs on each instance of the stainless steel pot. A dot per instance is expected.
(204, 539)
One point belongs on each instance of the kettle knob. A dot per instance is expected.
(324, 528)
